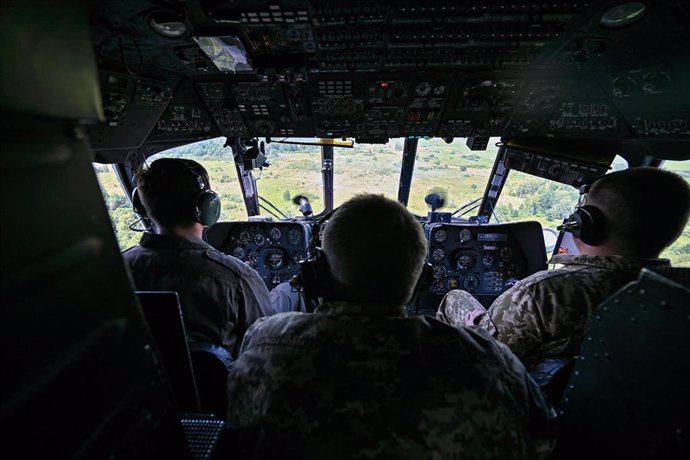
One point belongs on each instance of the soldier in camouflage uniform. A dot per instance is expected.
(544, 315)
(357, 379)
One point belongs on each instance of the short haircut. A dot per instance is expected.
(646, 208)
(375, 250)
(167, 189)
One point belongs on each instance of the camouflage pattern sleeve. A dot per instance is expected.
(540, 415)
(460, 308)
(518, 322)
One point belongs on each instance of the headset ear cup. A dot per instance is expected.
(315, 276)
(207, 208)
(137, 205)
(592, 228)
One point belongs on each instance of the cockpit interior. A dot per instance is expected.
(559, 91)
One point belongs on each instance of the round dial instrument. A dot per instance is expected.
(275, 233)
(465, 235)
(514, 270)
(488, 260)
(464, 262)
(438, 286)
(471, 283)
(275, 260)
(423, 88)
(294, 236)
(438, 254)
(440, 235)
(439, 272)
(259, 239)
(238, 251)
(506, 252)
(244, 237)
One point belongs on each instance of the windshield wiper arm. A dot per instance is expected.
(274, 207)
(465, 206)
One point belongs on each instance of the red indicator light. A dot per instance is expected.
(384, 84)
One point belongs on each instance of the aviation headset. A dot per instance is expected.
(587, 223)
(314, 278)
(205, 203)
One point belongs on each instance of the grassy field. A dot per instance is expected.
(460, 173)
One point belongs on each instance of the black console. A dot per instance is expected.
(273, 249)
(484, 260)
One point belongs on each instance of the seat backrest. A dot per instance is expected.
(164, 318)
(628, 394)
(552, 376)
(211, 373)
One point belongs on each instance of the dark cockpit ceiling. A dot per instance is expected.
(176, 72)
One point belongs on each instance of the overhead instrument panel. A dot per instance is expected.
(381, 70)
(557, 169)
(484, 260)
(273, 249)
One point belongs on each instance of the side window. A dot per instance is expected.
(679, 251)
(211, 154)
(119, 208)
(526, 197)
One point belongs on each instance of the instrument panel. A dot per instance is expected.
(484, 260)
(335, 69)
(273, 249)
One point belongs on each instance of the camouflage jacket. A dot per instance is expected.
(363, 381)
(544, 315)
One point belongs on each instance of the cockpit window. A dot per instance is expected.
(525, 197)
(367, 168)
(460, 174)
(119, 207)
(294, 170)
(679, 251)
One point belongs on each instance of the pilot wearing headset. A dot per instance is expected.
(623, 222)
(220, 296)
(358, 379)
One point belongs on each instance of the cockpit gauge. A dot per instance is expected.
(439, 271)
(465, 235)
(251, 259)
(423, 88)
(506, 252)
(275, 233)
(439, 90)
(470, 283)
(294, 236)
(514, 270)
(488, 260)
(275, 260)
(438, 254)
(244, 237)
(438, 285)
(259, 239)
(440, 236)
(238, 252)
(464, 262)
